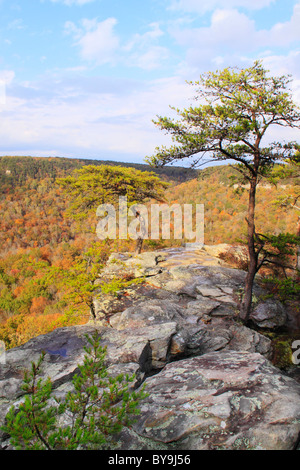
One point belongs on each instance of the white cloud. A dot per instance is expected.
(145, 51)
(73, 2)
(203, 6)
(145, 39)
(228, 27)
(229, 35)
(89, 116)
(282, 34)
(233, 38)
(285, 65)
(89, 119)
(97, 41)
(107, 123)
(72, 29)
(7, 76)
(152, 59)
(16, 24)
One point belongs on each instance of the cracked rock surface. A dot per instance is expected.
(210, 381)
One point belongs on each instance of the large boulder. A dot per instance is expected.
(269, 314)
(221, 400)
(143, 264)
(234, 255)
(216, 250)
(196, 331)
(225, 399)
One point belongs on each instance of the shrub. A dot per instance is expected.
(89, 417)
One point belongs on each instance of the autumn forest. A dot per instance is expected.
(46, 249)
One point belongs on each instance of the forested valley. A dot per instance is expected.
(48, 255)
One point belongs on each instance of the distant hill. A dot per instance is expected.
(14, 171)
(228, 175)
(225, 197)
(39, 236)
(33, 206)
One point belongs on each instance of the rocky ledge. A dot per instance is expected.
(209, 378)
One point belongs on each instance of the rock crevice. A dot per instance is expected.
(210, 381)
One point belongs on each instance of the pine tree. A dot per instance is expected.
(234, 111)
(94, 412)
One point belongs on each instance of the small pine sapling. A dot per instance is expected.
(89, 417)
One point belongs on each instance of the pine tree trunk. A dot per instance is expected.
(252, 266)
(138, 246)
(143, 233)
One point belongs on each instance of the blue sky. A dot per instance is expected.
(85, 78)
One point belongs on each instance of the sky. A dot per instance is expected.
(86, 78)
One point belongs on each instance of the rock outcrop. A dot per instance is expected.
(220, 400)
(210, 381)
